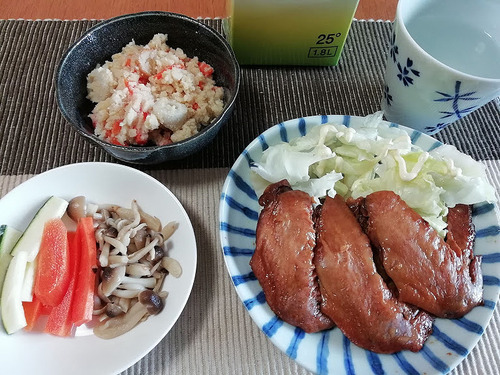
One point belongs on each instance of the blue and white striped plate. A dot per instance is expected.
(330, 352)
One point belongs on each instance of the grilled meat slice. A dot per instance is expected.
(461, 232)
(354, 295)
(282, 261)
(439, 277)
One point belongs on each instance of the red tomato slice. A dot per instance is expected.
(60, 322)
(52, 272)
(32, 311)
(83, 301)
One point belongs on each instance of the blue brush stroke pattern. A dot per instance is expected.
(435, 145)
(481, 209)
(248, 212)
(237, 230)
(489, 304)
(348, 365)
(375, 363)
(242, 185)
(302, 127)
(434, 360)
(493, 230)
(415, 136)
(469, 325)
(259, 299)
(283, 132)
(491, 280)
(237, 251)
(347, 121)
(404, 364)
(263, 142)
(242, 279)
(491, 258)
(449, 342)
(247, 156)
(322, 354)
(292, 349)
(455, 98)
(271, 327)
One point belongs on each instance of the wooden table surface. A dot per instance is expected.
(99, 9)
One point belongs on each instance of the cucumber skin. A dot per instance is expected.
(24, 251)
(12, 310)
(8, 237)
(23, 244)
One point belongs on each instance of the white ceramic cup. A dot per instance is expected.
(443, 61)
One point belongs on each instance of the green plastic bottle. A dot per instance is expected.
(289, 32)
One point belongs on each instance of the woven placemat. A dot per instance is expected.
(35, 137)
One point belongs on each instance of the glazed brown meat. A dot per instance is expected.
(461, 232)
(282, 261)
(439, 277)
(354, 295)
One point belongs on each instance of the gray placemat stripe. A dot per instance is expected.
(34, 136)
(479, 133)
(493, 173)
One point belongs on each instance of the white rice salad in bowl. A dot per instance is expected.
(152, 95)
(149, 87)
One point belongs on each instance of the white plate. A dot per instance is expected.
(330, 352)
(38, 353)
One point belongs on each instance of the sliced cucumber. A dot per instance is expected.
(8, 238)
(13, 318)
(30, 241)
(28, 281)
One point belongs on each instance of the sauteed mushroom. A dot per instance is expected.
(152, 301)
(111, 279)
(133, 256)
(114, 327)
(113, 310)
(77, 208)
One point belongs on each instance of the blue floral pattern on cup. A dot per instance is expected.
(394, 50)
(455, 98)
(406, 71)
(456, 112)
(387, 95)
(438, 127)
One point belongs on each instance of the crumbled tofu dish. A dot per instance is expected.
(152, 95)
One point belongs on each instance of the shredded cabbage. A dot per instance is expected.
(333, 159)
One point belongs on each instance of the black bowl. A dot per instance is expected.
(100, 42)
